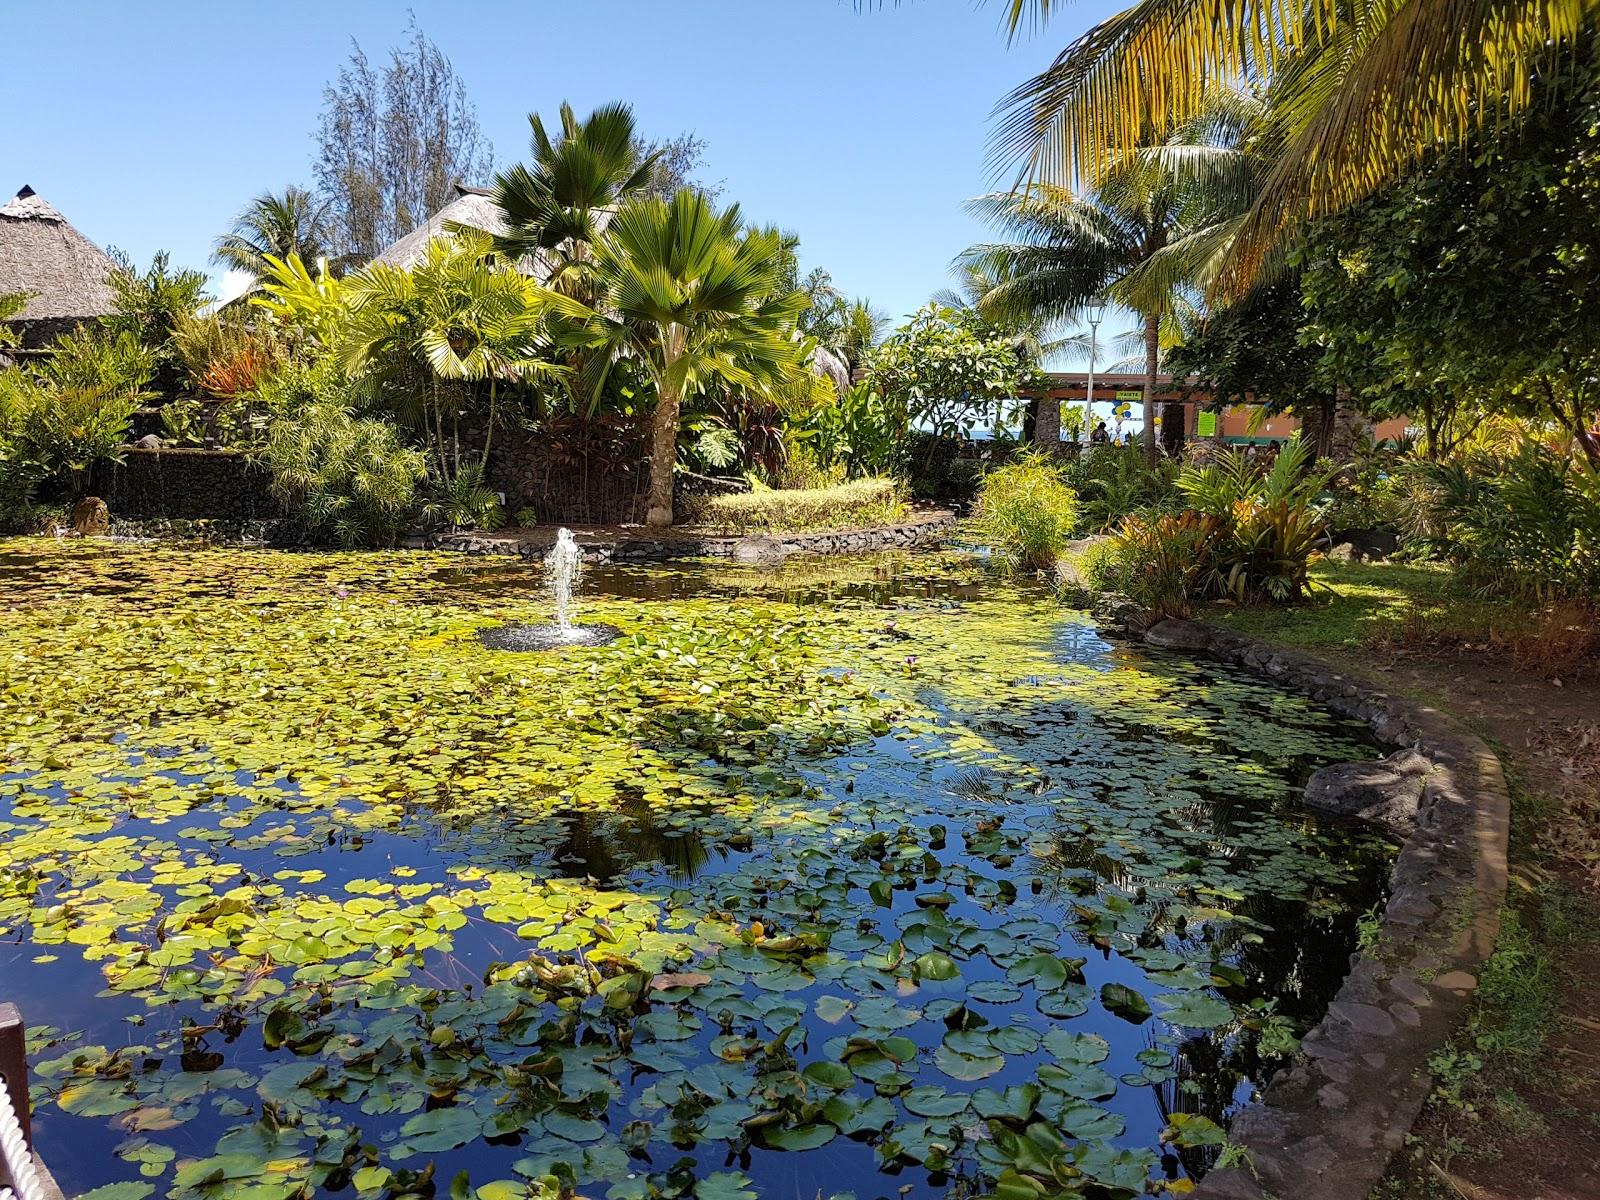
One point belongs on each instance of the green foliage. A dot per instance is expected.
(1244, 536)
(350, 478)
(1267, 525)
(858, 430)
(1473, 283)
(1027, 513)
(63, 430)
(859, 503)
(1114, 482)
(466, 503)
(1526, 525)
(94, 358)
(948, 372)
(1152, 562)
(150, 307)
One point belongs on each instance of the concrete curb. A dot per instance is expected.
(1328, 1126)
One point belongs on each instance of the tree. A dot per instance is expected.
(292, 223)
(1146, 236)
(1477, 278)
(392, 143)
(461, 315)
(1256, 350)
(699, 302)
(678, 162)
(845, 328)
(947, 369)
(150, 307)
(1362, 90)
(556, 205)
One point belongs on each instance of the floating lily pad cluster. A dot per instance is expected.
(881, 878)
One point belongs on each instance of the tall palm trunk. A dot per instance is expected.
(664, 434)
(1047, 422)
(1152, 362)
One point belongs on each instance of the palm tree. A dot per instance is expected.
(556, 206)
(462, 314)
(293, 223)
(699, 302)
(1148, 237)
(1360, 91)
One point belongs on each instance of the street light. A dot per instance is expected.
(1095, 311)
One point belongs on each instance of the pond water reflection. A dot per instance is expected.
(881, 876)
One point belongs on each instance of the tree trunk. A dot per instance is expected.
(1152, 362)
(1047, 423)
(663, 456)
(1342, 436)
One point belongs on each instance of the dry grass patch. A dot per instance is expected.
(861, 502)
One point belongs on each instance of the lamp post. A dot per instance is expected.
(1095, 311)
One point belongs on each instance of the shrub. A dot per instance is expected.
(1152, 562)
(1114, 482)
(352, 479)
(1027, 512)
(843, 506)
(1526, 525)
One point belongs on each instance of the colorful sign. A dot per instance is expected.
(1206, 425)
(1130, 395)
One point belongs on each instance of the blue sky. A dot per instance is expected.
(150, 125)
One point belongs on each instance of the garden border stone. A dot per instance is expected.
(625, 543)
(1328, 1126)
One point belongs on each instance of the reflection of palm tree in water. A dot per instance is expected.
(605, 845)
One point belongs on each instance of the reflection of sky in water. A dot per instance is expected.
(1078, 796)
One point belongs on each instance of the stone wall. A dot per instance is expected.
(923, 528)
(218, 485)
(573, 471)
(1328, 1125)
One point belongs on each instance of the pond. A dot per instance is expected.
(882, 877)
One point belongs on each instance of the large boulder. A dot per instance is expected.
(1386, 791)
(1178, 635)
(90, 516)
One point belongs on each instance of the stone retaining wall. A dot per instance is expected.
(1329, 1125)
(636, 544)
(184, 484)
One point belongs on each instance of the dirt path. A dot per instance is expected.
(1532, 1133)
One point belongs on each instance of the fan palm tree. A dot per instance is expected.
(697, 301)
(1360, 90)
(293, 223)
(556, 206)
(1146, 238)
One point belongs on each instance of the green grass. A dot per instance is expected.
(1355, 604)
(859, 503)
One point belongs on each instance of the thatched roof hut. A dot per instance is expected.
(473, 208)
(62, 272)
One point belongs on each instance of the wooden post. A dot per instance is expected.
(14, 1067)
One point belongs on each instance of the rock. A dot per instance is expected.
(90, 516)
(759, 550)
(1177, 635)
(149, 442)
(1386, 791)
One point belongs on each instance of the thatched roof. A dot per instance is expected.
(42, 254)
(474, 208)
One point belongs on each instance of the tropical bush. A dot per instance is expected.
(1525, 525)
(858, 430)
(1114, 482)
(861, 502)
(352, 479)
(1152, 561)
(1027, 513)
(57, 432)
(1244, 535)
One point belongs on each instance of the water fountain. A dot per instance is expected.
(563, 564)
